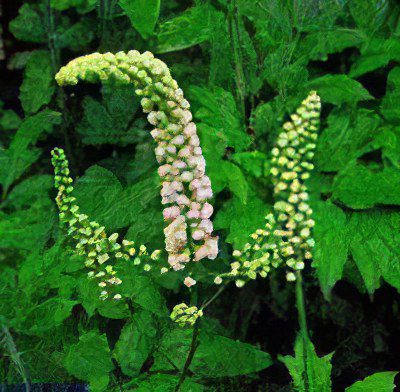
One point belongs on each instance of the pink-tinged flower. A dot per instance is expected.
(193, 214)
(197, 151)
(194, 141)
(187, 176)
(198, 235)
(206, 211)
(189, 282)
(185, 152)
(178, 140)
(204, 193)
(173, 242)
(190, 129)
(179, 164)
(171, 212)
(209, 249)
(164, 170)
(183, 200)
(206, 225)
(171, 149)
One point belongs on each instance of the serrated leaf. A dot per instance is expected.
(143, 14)
(360, 187)
(140, 336)
(90, 360)
(345, 138)
(373, 245)
(339, 89)
(38, 85)
(239, 358)
(252, 162)
(382, 382)
(217, 109)
(241, 219)
(331, 244)
(190, 28)
(317, 372)
(376, 54)
(21, 154)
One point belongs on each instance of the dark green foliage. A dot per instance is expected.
(244, 65)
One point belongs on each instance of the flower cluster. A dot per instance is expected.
(287, 235)
(90, 240)
(186, 190)
(184, 315)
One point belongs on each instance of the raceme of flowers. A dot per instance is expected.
(186, 190)
(90, 240)
(287, 235)
(184, 315)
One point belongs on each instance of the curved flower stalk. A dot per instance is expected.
(90, 239)
(184, 315)
(287, 235)
(186, 190)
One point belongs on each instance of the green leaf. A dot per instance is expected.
(48, 315)
(359, 186)
(21, 154)
(239, 358)
(101, 195)
(28, 25)
(331, 244)
(90, 360)
(317, 372)
(389, 107)
(345, 138)
(217, 109)
(38, 85)
(382, 382)
(373, 245)
(316, 46)
(241, 219)
(253, 162)
(139, 336)
(190, 28)
(165, 383)
(376, 54)
(143, 14)
(339, 89)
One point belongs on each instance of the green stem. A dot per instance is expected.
(237, 56)
(301, 311)
(55, 64)
(189, 359)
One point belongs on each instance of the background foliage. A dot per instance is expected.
(244, 65)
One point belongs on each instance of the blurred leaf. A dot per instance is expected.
(143, 14)
(28, 25)
(318, 369)
(38, 85)
(165, 383)
(252, 162)
(339, 89)
(382, 382)
(139, 335)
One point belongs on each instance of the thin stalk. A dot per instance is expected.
(302, 316)
(9, 344)
(237, 56)
(55, 64)
(215, 296)
(193, 347)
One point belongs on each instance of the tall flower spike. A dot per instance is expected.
(287, 235)
(186, 190)
(89, 238)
